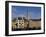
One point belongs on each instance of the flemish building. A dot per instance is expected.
(23, 23)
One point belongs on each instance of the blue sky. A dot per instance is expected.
(33, 12)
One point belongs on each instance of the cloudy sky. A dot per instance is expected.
(33, 12)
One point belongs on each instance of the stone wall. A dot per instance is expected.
(35, 24)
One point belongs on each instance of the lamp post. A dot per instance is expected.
(27, 19)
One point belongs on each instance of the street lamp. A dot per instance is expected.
(27, 19)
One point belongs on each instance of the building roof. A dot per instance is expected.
(35, 19)
(20, 18)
